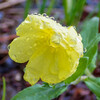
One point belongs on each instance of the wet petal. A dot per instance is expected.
(34, 67)
(44, 65)
(53, 51)
(74, 40)
(67, 62)
(34, 24)
(22, 48)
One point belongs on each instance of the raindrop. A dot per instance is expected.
(8, 47)
(55, 40)
(84, 50)
(41, 26)
(39, 14)
(74, 27)
(44, 14)
(35, 13)
(14, 57)
(27, 21)
(52, 18)
(30, 18)
(47, 16)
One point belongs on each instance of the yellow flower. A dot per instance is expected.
(52, 51)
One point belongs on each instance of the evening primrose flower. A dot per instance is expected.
(52, 51)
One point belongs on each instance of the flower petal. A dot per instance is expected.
(67, 62)
(22, 48)
(34, 68)
(74, 40)
(34, 24)
(52, 66)
(53, 51)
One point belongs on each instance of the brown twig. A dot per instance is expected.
(3, 51)
(10, 3)
(3, 60)
(7, 38)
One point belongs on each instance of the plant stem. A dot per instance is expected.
(27, 7)
(43, 6)
(65, 5)
(88, 73)
(4, 89)
(50, 7)
(79, 79)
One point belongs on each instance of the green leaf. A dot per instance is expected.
(27, 7)
(98, 98)
(80, 70)
(89, 31)
(90, 40)
(92, 48)
(40, 92)
(4, 89)
(92, 65)
(94, 85)
(42, 8)
(50, 8)
(73, 10)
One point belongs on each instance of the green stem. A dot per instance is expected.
(4, 89)
(27, 7)
(43, 6)
(79, 80)
(88, 73)
(65, 5)
(50, 7)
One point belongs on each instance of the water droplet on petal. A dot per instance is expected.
(44, 14)
(74, 27)
(30, 18)
(52, 18)
(8, 47)
(41, 27)
(55, 40)
(84, 50)
(35, 13)
(47, 16)
(14, 57)
(39, 14)
(27, 21)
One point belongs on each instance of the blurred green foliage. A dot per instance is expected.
(27, 7)
(73, 10)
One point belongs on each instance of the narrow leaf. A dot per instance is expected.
(43, 6)
(92, 48)
(94, 85)
(4, 89)
(89, 31)
(27, 8)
